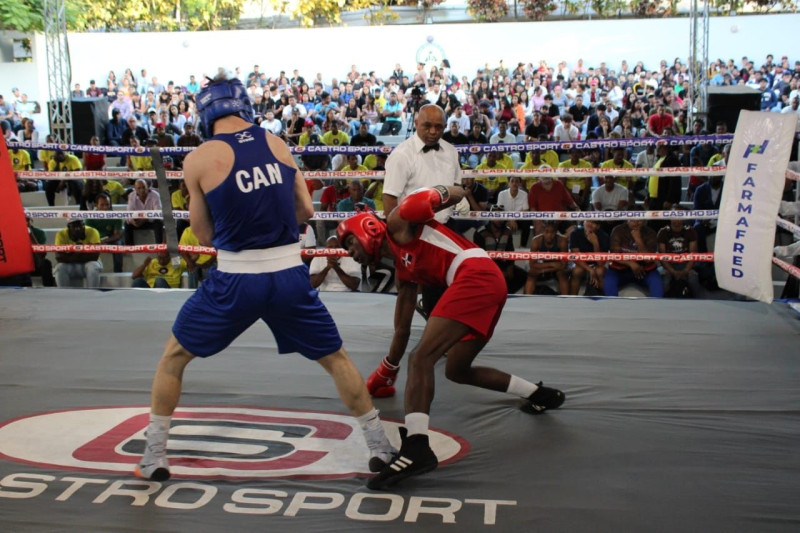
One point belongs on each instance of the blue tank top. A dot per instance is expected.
(253, 208)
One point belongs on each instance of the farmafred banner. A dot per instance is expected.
(750, 200)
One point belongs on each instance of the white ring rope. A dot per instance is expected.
(339, 252)
(707, 214)
(379, 175)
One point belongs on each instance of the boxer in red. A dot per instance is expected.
(460, 325)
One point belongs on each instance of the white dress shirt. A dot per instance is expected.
(511, 203)
(408, 168)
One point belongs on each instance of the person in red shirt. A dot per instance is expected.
(462, 322)
(549, 195)
(332, 194)
(92, 161)
(659, 121)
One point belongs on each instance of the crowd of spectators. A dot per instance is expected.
(497, 105)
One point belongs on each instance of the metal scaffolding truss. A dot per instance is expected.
(698, 58)
(59, 73)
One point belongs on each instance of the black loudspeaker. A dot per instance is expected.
(724, 104)
(89, 117)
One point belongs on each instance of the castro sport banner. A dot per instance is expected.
(16, 256)
(750, 201)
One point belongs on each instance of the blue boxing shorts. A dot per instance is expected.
(227, 304)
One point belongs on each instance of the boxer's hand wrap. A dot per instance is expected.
(420, 205)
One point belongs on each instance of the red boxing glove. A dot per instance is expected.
(420, 205)
(380, 383)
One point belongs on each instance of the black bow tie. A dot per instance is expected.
(426, 149)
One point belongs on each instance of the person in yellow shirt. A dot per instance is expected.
(578, 186)
(537, 159)
(21, 162)
(308, 131)
(180, 202)
(197, 265)
(139, 163)
(335, 137)
(158, 273)
(77, 265)
(354, 166)
(114, 189)
(618, 161)
(46, 155)
(494, 184)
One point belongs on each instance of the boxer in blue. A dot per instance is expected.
(248, 198)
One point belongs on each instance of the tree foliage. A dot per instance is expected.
(538, 9)
(487, 10)
(21, 15)
(136, 15)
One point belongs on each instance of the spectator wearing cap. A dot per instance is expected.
(77, 266)
(768, 99)
(293, 127)
(115, 128)
(161, 137)
(308, 134)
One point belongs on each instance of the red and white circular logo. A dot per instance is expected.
(206, 442)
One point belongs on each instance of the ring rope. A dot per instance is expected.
(791, 269)
(340, 252)
(465, 149)
(700, 214)
(794, 229)
(379, 175)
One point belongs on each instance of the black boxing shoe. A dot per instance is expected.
(543, 399)
(415, 458)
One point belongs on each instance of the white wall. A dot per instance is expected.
(331, 51)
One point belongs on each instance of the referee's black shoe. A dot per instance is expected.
(543, 400)
(415, 458)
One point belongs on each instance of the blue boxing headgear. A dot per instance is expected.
(220, 99)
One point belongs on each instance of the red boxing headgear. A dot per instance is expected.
(368, 229)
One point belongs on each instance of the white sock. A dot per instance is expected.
(369, 420)
(417, 423)
(373, 431)
(520, 387)
(158, 424)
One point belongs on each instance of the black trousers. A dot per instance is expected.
(74, 189)
(156, 225)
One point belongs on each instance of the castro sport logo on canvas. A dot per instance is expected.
(206, 442)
